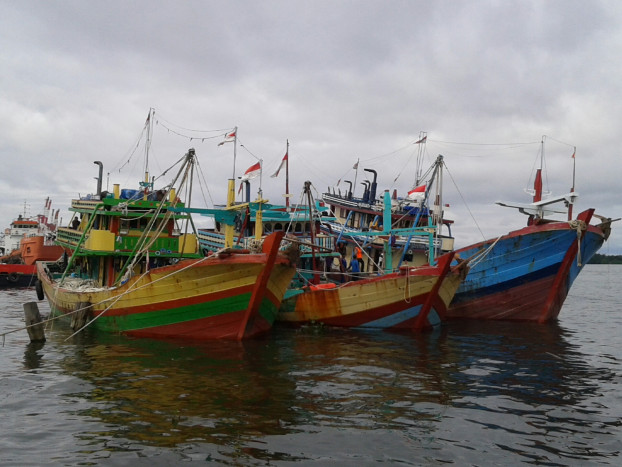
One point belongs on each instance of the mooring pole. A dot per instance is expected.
(33, 322)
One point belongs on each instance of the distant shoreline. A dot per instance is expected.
(606, 259)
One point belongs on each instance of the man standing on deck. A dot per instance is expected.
(359, 257)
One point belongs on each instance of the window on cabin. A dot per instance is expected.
(124, 226)
(278, 226)
(298, 227)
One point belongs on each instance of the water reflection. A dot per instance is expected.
(304, 384)
(167, 393)
(526, 362)
(33, 355)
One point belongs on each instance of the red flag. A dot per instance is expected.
(422, 140)
(417, 192)
(283, 162)
(573, 153)
(252, 172)
(228, 138)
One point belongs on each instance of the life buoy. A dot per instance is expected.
(329, 285)
(39, 289)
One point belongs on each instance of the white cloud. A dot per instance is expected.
(340, 80)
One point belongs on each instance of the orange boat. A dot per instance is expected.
(25, 242)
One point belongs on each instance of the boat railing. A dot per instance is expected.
(88, 204)
(161, 246)
(212, 241)
(399, 240)
(68, 235)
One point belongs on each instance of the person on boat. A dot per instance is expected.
(333, 268)
(75, 223)
(359, 256)
(354, 268)
(343, 266)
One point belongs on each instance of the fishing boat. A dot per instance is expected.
(25, 242)
(525, 275)
(407, 288)
(136, 268)
(413, 298)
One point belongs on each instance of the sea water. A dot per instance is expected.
(469, 394)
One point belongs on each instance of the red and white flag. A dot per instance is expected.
(228, 138)
(283, 163)
(252, 172)
(417, 192)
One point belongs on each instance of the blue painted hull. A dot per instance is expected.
(524, 275)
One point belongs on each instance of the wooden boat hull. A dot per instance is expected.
(526, 274)
(234, 296)
(411, 299)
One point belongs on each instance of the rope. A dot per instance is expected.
(579, 226)
(480, 255)
(407, 298)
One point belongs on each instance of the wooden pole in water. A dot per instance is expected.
(33, 321)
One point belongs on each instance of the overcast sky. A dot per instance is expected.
(341, 80)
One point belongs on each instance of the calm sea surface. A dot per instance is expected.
(469, 394)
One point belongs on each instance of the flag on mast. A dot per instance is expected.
(228, 138)
(283, 162)
(417, 192)
(252, 172)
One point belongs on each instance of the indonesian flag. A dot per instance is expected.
(252, 172)
(417, 192)
(228, 138)
(283, 162)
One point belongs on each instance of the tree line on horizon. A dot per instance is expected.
(606, 259)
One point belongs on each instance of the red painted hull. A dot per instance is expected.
(226, 326)
(521, 303)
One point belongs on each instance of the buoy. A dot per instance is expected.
(33, 321)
